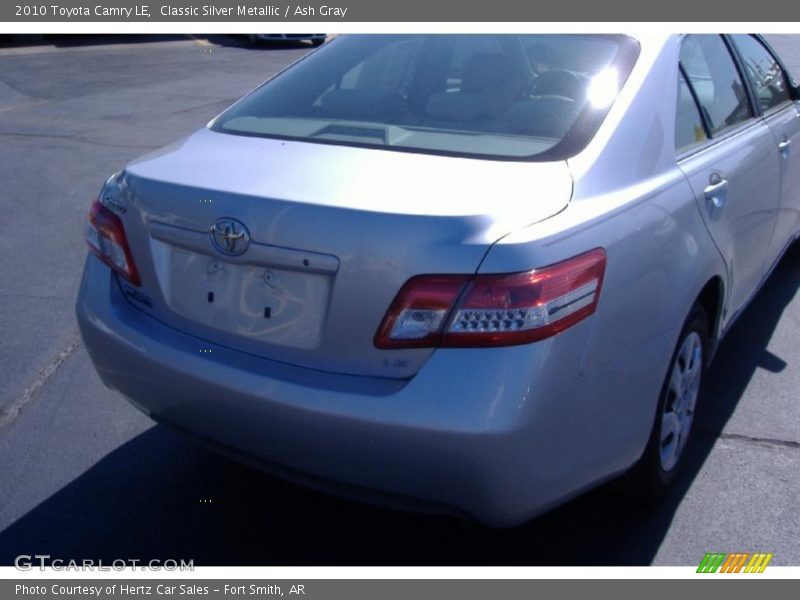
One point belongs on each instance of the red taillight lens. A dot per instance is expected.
(493, 310)
(419, 311)
(105, 235)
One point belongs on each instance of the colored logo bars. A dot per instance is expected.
(734, 563)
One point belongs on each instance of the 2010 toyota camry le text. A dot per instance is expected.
(463, 274)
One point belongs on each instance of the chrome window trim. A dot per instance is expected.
(728, 134)
(775, 110)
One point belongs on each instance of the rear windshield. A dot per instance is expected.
(532, 96)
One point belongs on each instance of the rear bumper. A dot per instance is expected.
(487, 433)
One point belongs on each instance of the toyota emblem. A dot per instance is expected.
(229, 236)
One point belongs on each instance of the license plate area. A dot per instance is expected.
(262, 303)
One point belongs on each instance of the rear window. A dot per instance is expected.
(497, 96)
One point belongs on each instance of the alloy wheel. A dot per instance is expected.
(679, 406)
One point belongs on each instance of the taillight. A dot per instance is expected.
(493, 310)
(105, 235)
(419, 311)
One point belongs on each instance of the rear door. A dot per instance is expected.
(731, 163)
(770, 86)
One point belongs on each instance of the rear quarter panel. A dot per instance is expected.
(630, 199)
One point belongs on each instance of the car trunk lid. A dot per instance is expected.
(334, 233)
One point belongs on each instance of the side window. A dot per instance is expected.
(689, 129)
(716, 82)
(766, 75)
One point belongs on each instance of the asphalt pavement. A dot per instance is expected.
(85, 475)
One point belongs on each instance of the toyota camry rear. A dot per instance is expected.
(414, 270)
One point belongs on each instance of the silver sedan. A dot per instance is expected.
(464, 274)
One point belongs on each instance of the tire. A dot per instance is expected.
(664, 455)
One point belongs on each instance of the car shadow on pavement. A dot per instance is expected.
(161, 496)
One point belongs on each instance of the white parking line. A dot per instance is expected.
(13, 410)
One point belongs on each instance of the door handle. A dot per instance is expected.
(717, 190)
(785, 146)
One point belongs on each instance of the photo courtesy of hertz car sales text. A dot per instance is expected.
(468, 274)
